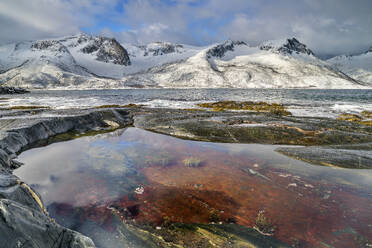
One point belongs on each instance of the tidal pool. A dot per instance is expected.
(139, 179)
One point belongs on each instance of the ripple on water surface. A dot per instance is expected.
(300, 102)
(136, 176)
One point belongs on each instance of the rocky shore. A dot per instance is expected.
(24, 221)
(324, 141)
(12, 90)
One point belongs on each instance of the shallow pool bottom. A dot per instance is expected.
(130, 178)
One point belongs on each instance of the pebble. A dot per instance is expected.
(139, 190)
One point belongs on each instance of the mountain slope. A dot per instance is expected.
(235, 64)
(39, 64)
(83, 61)
(358, 67)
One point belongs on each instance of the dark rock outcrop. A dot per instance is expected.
(52, 45)
(289, 47)
(22, 226)
(12, 90)
(331, 156)
(24, 221)
(161, 48)
(268, 128)
(220, 50)
(106, 50)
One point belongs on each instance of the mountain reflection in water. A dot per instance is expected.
(151, 178)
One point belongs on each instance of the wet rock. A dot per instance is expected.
(11, 188)
(273, 129)
(273, 108)
(345, 158)
(12, 90)
(24, 221)
(329, 142)
(21, 226)
(364, 118)
(19, 204)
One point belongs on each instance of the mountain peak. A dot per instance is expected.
(106, 49)
(51, 45)
(287, 46)
(161, 47)
(220, 50)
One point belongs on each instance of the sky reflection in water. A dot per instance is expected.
(95, 173)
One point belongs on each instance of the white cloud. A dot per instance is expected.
(25, 19)
(326, 26)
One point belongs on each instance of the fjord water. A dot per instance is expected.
(301, 102)
(149, 177)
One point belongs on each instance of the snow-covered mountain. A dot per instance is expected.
(358, 66)
(235, 64)
(60, 62)
(286, 47)
(83, 61)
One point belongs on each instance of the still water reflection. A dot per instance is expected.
(149, 178)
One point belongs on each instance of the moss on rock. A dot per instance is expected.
(273, 108)
(366, 114)
(360, 119)
(130, 105)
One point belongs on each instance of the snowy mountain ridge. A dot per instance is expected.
(357, 66)
(286, 46)
(82, 61)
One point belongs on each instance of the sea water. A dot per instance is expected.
(301, 102)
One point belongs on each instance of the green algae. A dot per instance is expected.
(366, 114)
(359, 119)
(274, 108)
(130, 105)
(25, 107)
(192, 162)
(200, 235)
(263, 224)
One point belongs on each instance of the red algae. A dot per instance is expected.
(301, 210)
(215, 184)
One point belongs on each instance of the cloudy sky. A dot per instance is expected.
(327, 26)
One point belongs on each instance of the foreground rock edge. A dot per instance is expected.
(24, 221)
(18, 202)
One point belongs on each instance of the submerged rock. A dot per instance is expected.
(192, 162)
